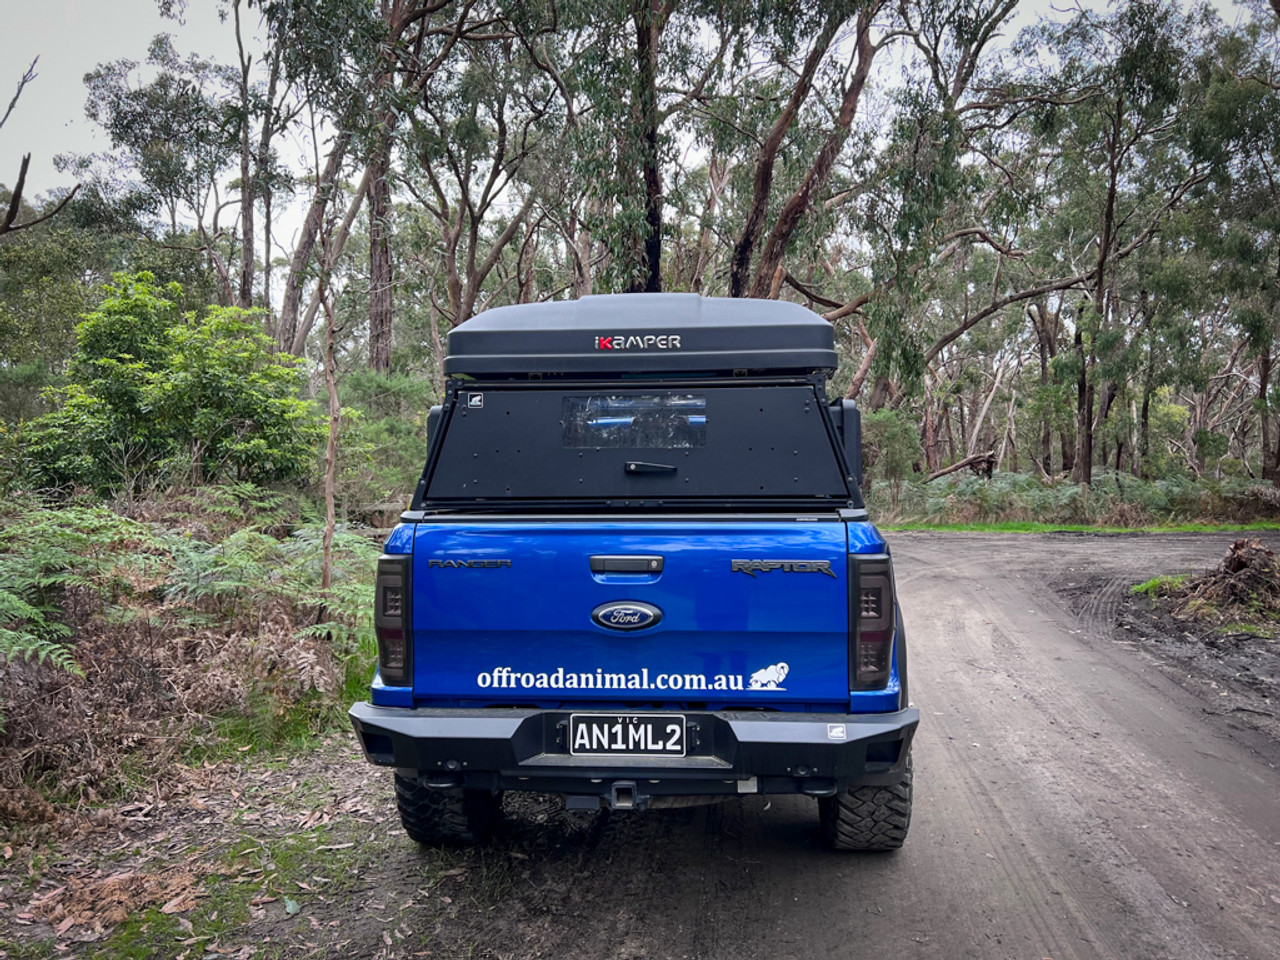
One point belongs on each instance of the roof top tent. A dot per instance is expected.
(677, 334)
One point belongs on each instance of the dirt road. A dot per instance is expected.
(1073, 802)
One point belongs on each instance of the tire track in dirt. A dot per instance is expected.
(1136, 774)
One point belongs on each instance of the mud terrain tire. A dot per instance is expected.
(446, 817)
(868, 818)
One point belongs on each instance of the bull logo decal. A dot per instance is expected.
(770, 678)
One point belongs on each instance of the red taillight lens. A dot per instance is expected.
(871, 620)
(391, 621)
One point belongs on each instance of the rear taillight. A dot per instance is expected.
(391, 621)
(871, 619)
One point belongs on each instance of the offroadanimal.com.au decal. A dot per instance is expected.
(508, 678)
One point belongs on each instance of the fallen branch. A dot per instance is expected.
(979, 462)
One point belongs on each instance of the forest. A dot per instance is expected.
(1048, 240)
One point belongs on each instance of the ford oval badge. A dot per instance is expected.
(626, 615)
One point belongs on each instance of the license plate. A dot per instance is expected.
(613, 734)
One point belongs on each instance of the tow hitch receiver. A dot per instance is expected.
(623, 795)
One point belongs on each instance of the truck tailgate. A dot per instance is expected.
(740, 614)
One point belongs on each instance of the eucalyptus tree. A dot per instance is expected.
(420, 48)
(629, 74)
(1236, 226)
(924, 192)
(1114, 102)
(261, 105)
(820, 59)
(271, 103)
(173, 131)
(469, 149)
(328, 52)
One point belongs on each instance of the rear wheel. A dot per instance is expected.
(446, 817)
(868, 818)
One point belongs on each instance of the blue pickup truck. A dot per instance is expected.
(637, 572)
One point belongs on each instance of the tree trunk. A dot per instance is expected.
(579, 239)
(1104, 411)
(794, 210)
(287, 331)
(244, 295)
(1082, 470)
(931, 460)
(380, 305)
(650, 17)
(945, 413)
(334, 243)
(1046, 348)
(1270, 469)
(986, 406)
(766, 158)
(864, 368)
(1144, 428)
(331, 447)
(881, 392)
(266, 252)
(717, 180)
(261, 183)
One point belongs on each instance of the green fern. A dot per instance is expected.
(28, 633)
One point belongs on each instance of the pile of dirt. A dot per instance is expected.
(1244, 588)
(1216, 634)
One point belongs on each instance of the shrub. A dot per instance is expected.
(1115, 500)
(384, 439)
(153, 396)
(890, 448)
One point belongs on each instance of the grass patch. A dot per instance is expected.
(1113, 501)
(143, 935)
(222, 913)
(257, 882)
(1251, 629)
(28, 950)
(267, 724)
(1160, 586)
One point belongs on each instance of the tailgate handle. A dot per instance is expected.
(626, 564)
(641, 466)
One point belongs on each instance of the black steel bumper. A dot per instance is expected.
(729, 752)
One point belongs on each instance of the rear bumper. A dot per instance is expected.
(729, 752)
